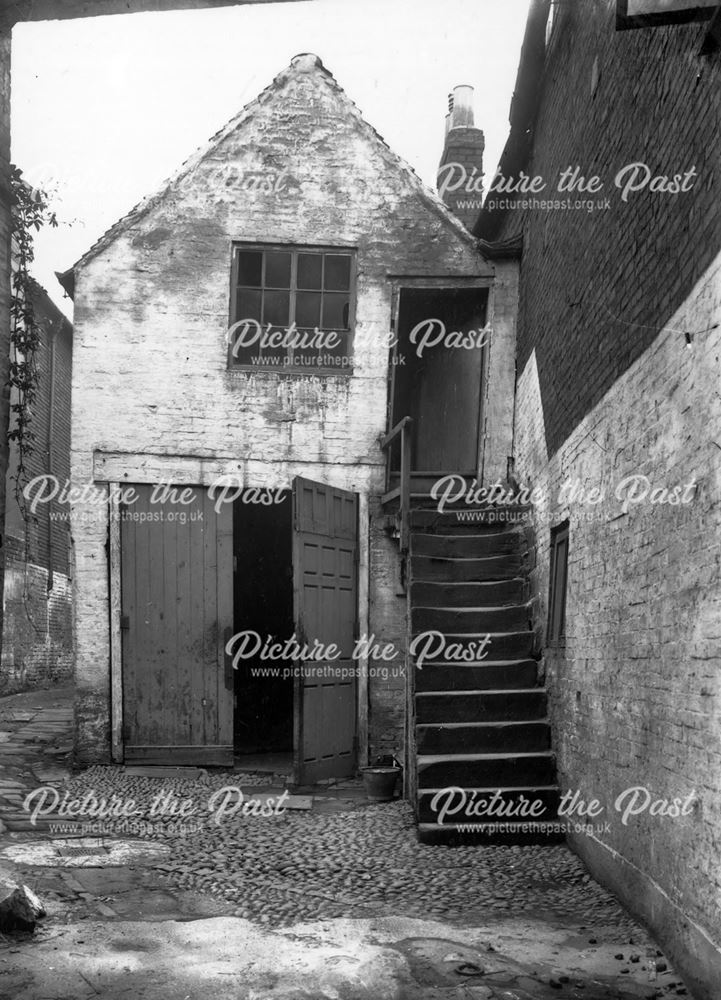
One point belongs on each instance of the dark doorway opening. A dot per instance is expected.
(443, 345)
(263, 604)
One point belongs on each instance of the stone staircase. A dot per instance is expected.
(480, 712)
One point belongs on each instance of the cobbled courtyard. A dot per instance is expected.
(359, 862)
(285, 894)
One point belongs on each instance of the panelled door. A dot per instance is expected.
(325, 546)
(177, 608)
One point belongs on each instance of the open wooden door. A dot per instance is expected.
(325, 546)
(177, 603)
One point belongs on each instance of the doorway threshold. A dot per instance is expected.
(280, 763)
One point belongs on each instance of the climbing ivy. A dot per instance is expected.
(29, 213)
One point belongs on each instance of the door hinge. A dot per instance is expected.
(125, 621)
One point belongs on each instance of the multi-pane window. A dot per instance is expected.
(559, 576)
(291, 309)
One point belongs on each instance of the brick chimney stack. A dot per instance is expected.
(460, 172)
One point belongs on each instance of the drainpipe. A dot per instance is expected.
(50, 440)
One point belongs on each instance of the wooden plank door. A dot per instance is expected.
(440, 388)
(325, 547)
(177, 603)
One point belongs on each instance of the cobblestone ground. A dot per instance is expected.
(329, 863)
(362, 862)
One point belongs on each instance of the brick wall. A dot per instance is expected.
(5, 224)
(150, 376)
(634, 694)
(37, 635)
(657, 102)
(609, 388)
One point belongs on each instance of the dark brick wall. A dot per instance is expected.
(598, 287)
(37, 634)
(47, 532)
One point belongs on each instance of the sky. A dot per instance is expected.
(105, 109)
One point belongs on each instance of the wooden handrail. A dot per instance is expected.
(393, 434)
(402, 428)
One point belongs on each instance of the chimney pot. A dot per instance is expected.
(461, 106)
(460, 172)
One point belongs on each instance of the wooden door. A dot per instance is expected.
(325, 546)
(439, 385)
(177, 608)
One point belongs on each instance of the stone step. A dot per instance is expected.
(490, 568)
(483, 737)
(422, 483)
(473, 546)
(467, 518)
(512, 618)
(472, 647)
(488, 675)
(440, 594)
(480, 706)
(501, 833)
(476, 805)
(502, 770)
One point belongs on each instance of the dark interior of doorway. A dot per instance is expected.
(263, 603)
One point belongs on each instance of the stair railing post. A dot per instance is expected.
(405, 498)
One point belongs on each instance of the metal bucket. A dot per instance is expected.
(380, 782)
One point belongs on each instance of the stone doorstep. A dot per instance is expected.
(140, 771)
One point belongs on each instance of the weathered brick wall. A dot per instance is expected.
(37, 637)
(634, 693)
(47, 527)
(608, 388)
(150, 375)
(37, 634)
(656, 102)
(5, 225)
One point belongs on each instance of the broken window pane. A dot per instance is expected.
(335, 311)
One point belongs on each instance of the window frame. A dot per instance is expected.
(295, 249)
(653, 19)
(557, 592)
